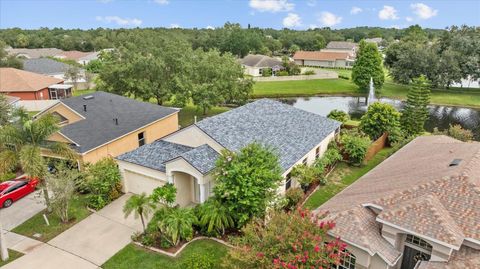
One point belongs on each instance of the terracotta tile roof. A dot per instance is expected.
(75, 54)
(320, 55)
(16, 80)
(357, 226)
(466, 258)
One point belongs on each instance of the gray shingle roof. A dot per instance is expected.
(202, 158)
(292, 132)
(99, 126)
(45, 66)
(256, 60)
(154, 155)
(341, 45)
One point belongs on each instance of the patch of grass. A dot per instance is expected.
(133, 256)
(187, 114)
(13, 255)
(82, 92)
(455, 97)
(36, 224)
(342, 176)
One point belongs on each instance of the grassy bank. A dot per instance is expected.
(342, 177)
(455, 97)
(36, 224)
(133, 256)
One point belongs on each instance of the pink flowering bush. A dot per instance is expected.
(293, 240)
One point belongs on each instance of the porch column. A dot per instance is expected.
(202, 193)
(170, 178)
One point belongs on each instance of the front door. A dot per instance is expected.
(411, 256)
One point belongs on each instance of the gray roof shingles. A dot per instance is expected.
(155, 155)
(99, 126)
(292, 132)
(202, 158)
(45, 66)
(257, 60)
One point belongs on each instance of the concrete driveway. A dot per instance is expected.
(88, 244)
(22, 210)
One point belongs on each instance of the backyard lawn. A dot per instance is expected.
(133, 256)
(342, 176)
(36, 224)
(13, 255)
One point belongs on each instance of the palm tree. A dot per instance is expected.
(141, 205)
(21, 144)
(215, 217)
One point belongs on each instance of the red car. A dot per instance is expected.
(13, 190)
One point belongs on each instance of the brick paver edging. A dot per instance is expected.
(186, 244)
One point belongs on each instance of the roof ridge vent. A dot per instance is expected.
(455, 162)
(88, 97)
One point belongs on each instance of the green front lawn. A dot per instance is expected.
(36, 224)
(13, 255)
(342, 176)
(133, 256)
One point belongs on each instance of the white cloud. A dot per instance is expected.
(271, 5)
(292, 20)
(210, 27)
(161, 2)
(423, 11)
(174, 25)
(311, 3)
(329, 19)
(120, 21)
(396, 26)
(355, 10)
(388, 13)
(312, 26)
(409, 19)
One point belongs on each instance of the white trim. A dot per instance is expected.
(475, 241)
(56, 104)
(417, 234)
(68, 138)
(373, 205)
(129, 133)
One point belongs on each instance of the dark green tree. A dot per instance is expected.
(368, 65)
(415, 112)
(8, 60)
(380, 118)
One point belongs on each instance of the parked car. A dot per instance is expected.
(13, 190)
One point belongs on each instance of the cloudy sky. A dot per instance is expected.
(277, 14)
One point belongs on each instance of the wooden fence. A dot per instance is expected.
(376, 146)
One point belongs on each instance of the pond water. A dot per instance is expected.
(440, 116)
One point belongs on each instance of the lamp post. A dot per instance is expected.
(3, 243)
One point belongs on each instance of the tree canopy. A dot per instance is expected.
(368, 65)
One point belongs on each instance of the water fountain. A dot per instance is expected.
(371, 93)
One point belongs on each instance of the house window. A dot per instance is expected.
(348, 261)
(53, 94)
(141, 139)
(417, 241)
(317, 153)
(288, 181)
(305, 161)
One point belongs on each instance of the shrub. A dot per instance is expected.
(355, 147)
(309, 72)
(165, 194)
(214, 218)
(282, 73)
(7, 176)
(293, 197)
(266, 72)
(199, 261)
(293, 69)
(380, 118)
(343, 77)
(338, 115)
(177, 224)
(290, 240)
(103, 183)
(456, 131)
(329, 158)
(306, 175)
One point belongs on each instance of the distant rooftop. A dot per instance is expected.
(341, 45)
(16, 80)
(45, 66)
(257, 60)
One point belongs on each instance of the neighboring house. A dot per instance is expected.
(324, 59)
(255, 64)
(187, 157)
(419, 209)
(342, 46)
(52, 68)
(31, 86)
(102, 124)
(78, 56)
(376, 40)
(13, 101)
(34, 53)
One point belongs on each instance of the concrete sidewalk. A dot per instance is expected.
(86, 245)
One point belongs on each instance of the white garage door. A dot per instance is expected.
(138, 183)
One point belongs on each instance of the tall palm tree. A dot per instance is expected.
(141, 206)
(21, 144)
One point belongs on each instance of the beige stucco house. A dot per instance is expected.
(419, 209)
(187, 157)
(331, 59)
(102, 124)
(255, 64)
